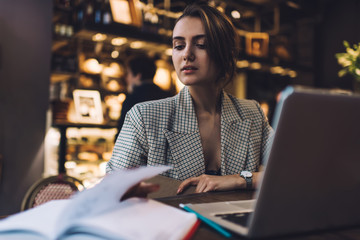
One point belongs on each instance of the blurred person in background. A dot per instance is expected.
(140, 72)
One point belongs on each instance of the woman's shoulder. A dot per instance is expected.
(155, 109)
(156, 114)
(245, 107)
(246, 103)
(159, 103)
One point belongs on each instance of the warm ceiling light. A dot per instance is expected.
(70, 164)
(92, 65)
(162, 78)
(168, 52)
(292, 74)
(99, 37)
(137, 44)
(115, 54)
(121, 97)
(118, 41)
(276, 70)
(255, 65)
(221, 9)
(114, 86)
(242, 64)
(293, 5)
(113, 70)
(154, 19)
(235, 14)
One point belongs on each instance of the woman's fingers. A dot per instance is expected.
(186, 183)
(207, 183)
(203, 183)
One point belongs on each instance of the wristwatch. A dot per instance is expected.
(248, 178)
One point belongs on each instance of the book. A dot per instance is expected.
(98, 213)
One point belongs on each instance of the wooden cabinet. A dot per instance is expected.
(84, 149)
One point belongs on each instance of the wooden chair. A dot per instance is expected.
(51, 188)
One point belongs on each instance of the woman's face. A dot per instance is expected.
(191, 61)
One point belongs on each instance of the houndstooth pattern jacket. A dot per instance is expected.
(166, 132)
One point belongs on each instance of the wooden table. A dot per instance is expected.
(207, 233)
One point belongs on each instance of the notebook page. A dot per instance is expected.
(138, 218)
(41, 220)
(106, 195)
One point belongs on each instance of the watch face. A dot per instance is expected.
(246, 174)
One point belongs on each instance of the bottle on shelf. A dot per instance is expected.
(106, 13)
(63, 29)
(150, 20)
(89, 11)
(79, 14)
(97, 12)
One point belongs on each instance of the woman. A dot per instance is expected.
(208, 136)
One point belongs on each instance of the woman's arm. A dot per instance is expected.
(131, 147)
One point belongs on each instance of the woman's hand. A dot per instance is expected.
(206, 183)
(141, 189)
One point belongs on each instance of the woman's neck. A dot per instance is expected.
(206, 99)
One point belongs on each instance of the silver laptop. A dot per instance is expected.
(312, 174)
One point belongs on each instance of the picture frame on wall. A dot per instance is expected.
(88, 106)
(257, 44)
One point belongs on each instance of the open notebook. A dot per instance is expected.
(97, 213)
(311, 179)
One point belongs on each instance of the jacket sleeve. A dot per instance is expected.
(131, 147)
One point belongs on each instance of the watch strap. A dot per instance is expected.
(248, 182)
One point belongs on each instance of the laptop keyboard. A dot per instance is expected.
(237, 218)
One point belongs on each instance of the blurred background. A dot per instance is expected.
(62, 71)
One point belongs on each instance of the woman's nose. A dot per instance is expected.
(188, 54)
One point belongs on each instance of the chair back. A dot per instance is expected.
(51, 188)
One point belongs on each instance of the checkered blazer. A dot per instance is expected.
(166, 132)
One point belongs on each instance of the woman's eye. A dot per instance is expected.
(178, 47)
(201, 46)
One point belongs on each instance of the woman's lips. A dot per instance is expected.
(188, 69)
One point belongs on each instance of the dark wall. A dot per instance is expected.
(340, 21)
(25, 45)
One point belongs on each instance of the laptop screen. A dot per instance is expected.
(312, 179)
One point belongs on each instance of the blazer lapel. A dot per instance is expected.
(235, 133)
(184, 140)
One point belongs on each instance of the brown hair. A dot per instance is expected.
(221, 39)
